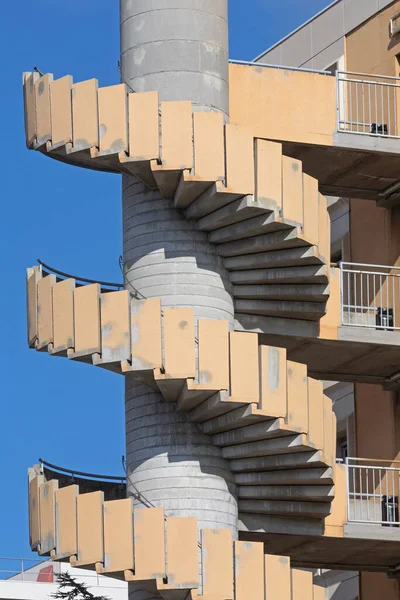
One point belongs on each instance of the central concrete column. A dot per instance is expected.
(180, 49)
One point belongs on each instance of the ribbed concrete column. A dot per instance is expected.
(166, 256)
(169, 460)
(180, 49)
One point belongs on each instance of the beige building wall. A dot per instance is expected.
(376, 411)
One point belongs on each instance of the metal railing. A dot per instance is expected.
(252, 63)
(20, 569)
(47, 270)
(373, 491)
(368, 104)
(370, 296)
(30, 570)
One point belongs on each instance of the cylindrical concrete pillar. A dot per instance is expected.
(177, 47)
(171, 463)
(180, 49)
(169, 460)
(166, 257)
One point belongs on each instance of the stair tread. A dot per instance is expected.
(286, 291)
(247, 229)
(286, 257)
(296, 275)
(235, 212)
(277, 240)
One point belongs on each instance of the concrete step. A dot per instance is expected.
(167, 180)
(139, 168)
(252, 433)
(246, 229)
(192, 395)
(217, 405)
(214, 198)
(240, 417)
(270, 447)
(278, 240)
(298, 275)
(240, 210)
(315, 510)
(307, 493)
(169, 388)
(189, 188)
(297, 293)
(312, 476)
(298, 460)
(307, 255)
(307, 311)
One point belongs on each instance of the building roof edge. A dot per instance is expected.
(296, 30)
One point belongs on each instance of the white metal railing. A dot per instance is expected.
(373, 491)
(370, 296)
(21, 569)
(368, 104)
(252, 63)
(30, 570)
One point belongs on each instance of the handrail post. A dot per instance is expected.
(341, 294)
(347, 489)
(337, 101)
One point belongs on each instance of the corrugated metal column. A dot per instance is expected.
(180, 49)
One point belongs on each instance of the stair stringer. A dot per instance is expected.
(266, 216)
(271, 421)
(165, 555)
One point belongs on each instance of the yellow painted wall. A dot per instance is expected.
(370, 49)
(280, 104)
(330, 322)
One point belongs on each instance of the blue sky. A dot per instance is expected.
(68, 413)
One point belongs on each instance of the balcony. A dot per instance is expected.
(372, 495)
(344, 129)
(368, 105)
(362, 533)
(370, 296)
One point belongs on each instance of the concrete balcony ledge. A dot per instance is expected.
(325, 122)
(371, 531)
(369, 335)
(358, 339)
(370, 143)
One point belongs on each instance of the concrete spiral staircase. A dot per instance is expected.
(272, 422)
(264, 214)
(163, 555)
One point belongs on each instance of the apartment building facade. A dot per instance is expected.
(358, 43)
(257, 325)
